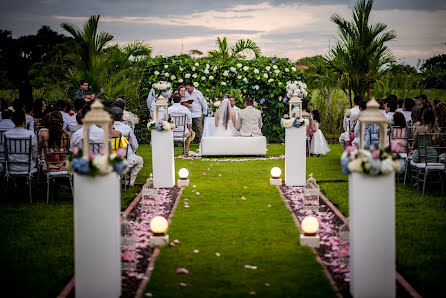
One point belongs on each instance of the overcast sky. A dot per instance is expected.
(284, 28)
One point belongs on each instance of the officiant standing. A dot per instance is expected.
(198, 109)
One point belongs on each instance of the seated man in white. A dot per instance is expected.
(249, 120)
(225, 120)
(133, 160)
(96, 134)
(19, 105)
(19, 132)
(5, 124)
(180, 110)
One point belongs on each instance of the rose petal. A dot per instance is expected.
(196, 251)
(176, 241)
(182, 271)
(183, 284)
(217, 254)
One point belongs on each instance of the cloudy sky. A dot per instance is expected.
(284, 28)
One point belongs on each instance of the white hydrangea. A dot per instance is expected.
(256, 71)
(215, 68)
(270, 80)
(387, 166)
(167, 125)
(225, 73)
(239, 77)
(232, 69)
(203, 78)
(207, 66)
(277, 71)
(206, 71)
(180, 68)
(223, 83)
(245, 80)
(180, 81)
(287, 69)
(258, 78)
(187, 75)
(196, 84)
(193, 68)
(275, 66)
(245, 68)
(239, 65)
(355, 166)
(280, 83)
(293, 68)
(268, 68)
(194, 75)
(166, 66)
(196, 64)
(211, 77)
(167, 74)
(256, 87)
(156, 72)
(101, 162)
(172, 77)
(265, 75)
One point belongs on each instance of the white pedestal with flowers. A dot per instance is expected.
(295, 156)
(97, 201)
(163, 163)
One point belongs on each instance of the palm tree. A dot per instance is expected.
(360, 55)
(240, 50)
(90, 41)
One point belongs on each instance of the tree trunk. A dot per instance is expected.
(350, 97)
(368, 93)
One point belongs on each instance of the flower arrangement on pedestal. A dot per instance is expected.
(162, 88)
(372, 162)
(161, 125)
(96, 164)
(287, 122)
(298, 87)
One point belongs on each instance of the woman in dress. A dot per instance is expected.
(224, 120)
(318, 143)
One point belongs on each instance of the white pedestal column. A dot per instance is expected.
(163, 163)
(372, 235)
(97, 236)
(295, 156)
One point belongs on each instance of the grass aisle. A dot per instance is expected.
(243, 232)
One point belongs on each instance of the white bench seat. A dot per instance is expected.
(233, 146)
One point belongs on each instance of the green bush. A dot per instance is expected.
(213, 82)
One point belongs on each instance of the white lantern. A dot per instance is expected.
(295, 106)
(148, 192)
(372, 115)
(96, 116)
(183, 173)
(159, 226)
(161, 109)
(310, 225)
(128, 247)
(276, 172)
(311, 194)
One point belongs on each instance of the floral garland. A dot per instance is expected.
(287, 122)
(372, 162)
(96, 164)
(162, 87)
(296, 86)
(161, 125)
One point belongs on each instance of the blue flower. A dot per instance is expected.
(297, 123)
(158, 127)
(120, 167)
(284, 99)
(262, 101)
(273, 61)
(301, 95)
(80, 165)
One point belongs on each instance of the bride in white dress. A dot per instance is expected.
(224, 120)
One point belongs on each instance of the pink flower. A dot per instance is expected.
(375, 154)
(350, 148)
(161, 121)
(75, 150)
(285, 116)
(351, 158)
(91, 155)
(204, 172)
(120, 152)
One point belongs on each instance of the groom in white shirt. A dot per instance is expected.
(198, 110)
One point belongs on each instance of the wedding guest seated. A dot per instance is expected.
(416, 115)
(440, 113)
(357, 130)
(390, 109)
(408, 105)
(39, 106)
(399, 132)
(3, 106)
(249, 121)
(5, 124)
(136, 162)
(180, 110)
(50, 107)
(19, 132)
(96, 134)
(18, 105)
(348, 123)
(429, 126)
(400, 105)
(54, 139)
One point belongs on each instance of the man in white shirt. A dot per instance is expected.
(180, 110)
(198, 110)
(136, 162)
(19, 105)
(68, 121)
(96, 134)
(349, 122)
(5, 124)
(19, 132)
(233, 106)
(408, 104)
(391, 107)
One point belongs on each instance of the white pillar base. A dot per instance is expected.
(311, 241)
(183, 182)
(163, 163)
(97, 235)
(295, 156)
(275, 181)
(158, 241)
(372, 235)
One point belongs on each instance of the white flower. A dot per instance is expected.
(256, 87)
(172, 77)
(180, 68)
(211, 77)
(194, 75)
(287, 123)
(256, 71)
(166, 66)
(207, 66)
(225, 73)
(101, 162)
(193, 68)
(239, 65)
(166, 74)
(215, 68)
(276, 71)
(355, 166)
(156, 72)
(206, 71)
(270, 80)
(203, 78)
(180, 81)
(275, 66)
(287, 69)
(196, 84)
(279, 98)
(257, 78)
(265, 75)
(245, 80)
(280, 83)
(223, 83)
(239, 77)
(166, 125)
(245, 68)
(232, 69)
(304, 85)
(387, 166)
(196, 64)
(293, 68)
(397, 165)
(268, 68)
(187, 75)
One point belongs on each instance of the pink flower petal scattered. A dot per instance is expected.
(182, 271)
(209, 169)
(267, 284)
(252, 293)
(217, 254)
(197, 193)
(176, 241)
(204, 172)
(186, 199)
(172, 244)
(196, 251)
(183, 284)
(186, 206)
(251, 267)
(148, 294)
(219, 175)
(245, 187)
(193, 190)
(194, 186)
(269, 205)
(243, 199)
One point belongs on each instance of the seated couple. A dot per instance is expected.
(244, 123)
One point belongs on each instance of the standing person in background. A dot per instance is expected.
(199, 109)
(233, 106)
(318, 143)
(81, 94)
